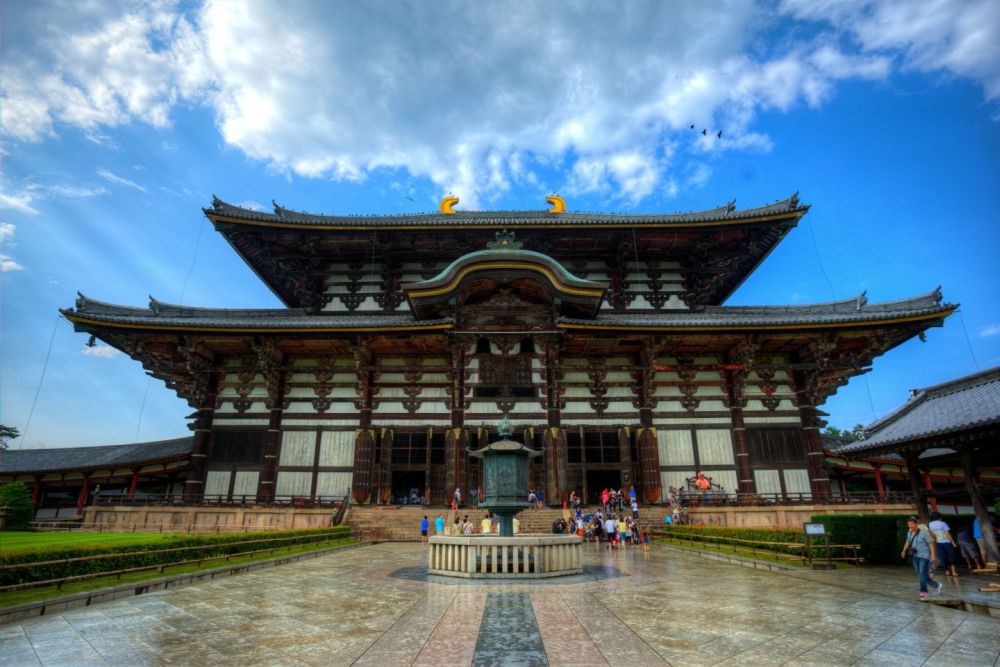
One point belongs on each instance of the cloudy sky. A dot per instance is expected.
(120, 120)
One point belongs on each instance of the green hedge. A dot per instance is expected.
(221, 545)
(881, 536)
(708, 533)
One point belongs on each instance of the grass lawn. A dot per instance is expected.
(13, 598)
(11, 541)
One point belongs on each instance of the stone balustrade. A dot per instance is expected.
(517, 557)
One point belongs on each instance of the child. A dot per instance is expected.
(645, 541)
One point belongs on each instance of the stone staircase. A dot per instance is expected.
(399, 523)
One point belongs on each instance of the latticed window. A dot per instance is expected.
(497, 371)
(776, 446)
(410, 448)
(237, 447)
(601, 447)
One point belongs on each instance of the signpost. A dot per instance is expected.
(819, 529)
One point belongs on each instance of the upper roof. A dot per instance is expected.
(722, 215)
(94, 458)
(835, 314)
(968, 402)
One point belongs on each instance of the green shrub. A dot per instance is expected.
(132, 556)
(881, 536)
(708, 533)
(17, 498)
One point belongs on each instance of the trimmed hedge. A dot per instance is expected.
(881, 536)
(131, 556)
(708, 533)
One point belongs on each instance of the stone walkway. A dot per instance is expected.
(665, 608)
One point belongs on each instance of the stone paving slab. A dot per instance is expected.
(659, 607)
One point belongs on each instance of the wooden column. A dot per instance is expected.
(806, 393)
(36, 492)
(366, 487)
(913, 472)
(650, 486)
(133, 483)
(456, 439)
(194, 485)
(878, 482)
(554, 438)
(931, 500)
(272, 447)
(741, 358)
(982, 512)
(82, 498)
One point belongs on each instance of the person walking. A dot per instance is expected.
(439, 524)
(920, 547)
(946, 551)
(424, 525)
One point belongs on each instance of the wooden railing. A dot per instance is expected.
(807, 553)
(725, 499)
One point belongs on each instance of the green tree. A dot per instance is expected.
(7, 433)
(16, 497)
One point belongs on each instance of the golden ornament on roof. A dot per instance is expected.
(558, 204)
(447, 203)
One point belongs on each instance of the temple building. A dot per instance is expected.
(603, 338)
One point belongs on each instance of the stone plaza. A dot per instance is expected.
(375, 605)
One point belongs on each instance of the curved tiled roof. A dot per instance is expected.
(847, 312)
(966, 403)
(160, 314)
(20, 461)
(844, 313)
(286, 217)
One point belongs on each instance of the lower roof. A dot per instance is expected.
(836, 314)
(26, 461)
(964, 404)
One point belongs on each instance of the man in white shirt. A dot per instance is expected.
(947, 555)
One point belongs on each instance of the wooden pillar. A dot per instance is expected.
(931, 500)
(806, 395)
(82, 498)
(913, 472)
(736, 400)
(457, 439)
(965, 455)
(650, 486)
(554, 438)
(36, 492)
(194, 485)
(272, 448)
(133, 483)
(878, 482)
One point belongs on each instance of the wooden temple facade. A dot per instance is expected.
(602, 337)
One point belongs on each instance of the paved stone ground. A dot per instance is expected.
(666, 608)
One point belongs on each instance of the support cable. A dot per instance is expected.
(41, 380)
(968, 340)
(819, 259)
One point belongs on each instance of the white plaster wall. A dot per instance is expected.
(298, 448)
(336, 448)
(217, 482)
(293, 483)
(715, 447)
(675, 448)
(767, 481)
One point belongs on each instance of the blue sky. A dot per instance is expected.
(120, 120)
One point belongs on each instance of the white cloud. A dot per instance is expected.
(101, 351)
(252, 205)
(7, 230)
(20, 201)
(472, 96)
(8, 264)
(957, 36)
(118, 180)
(990, 330)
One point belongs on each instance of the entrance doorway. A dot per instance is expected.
(408, 484)
(598, 480)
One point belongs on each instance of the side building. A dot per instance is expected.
(602, 337)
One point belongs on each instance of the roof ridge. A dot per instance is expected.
(964, 382)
